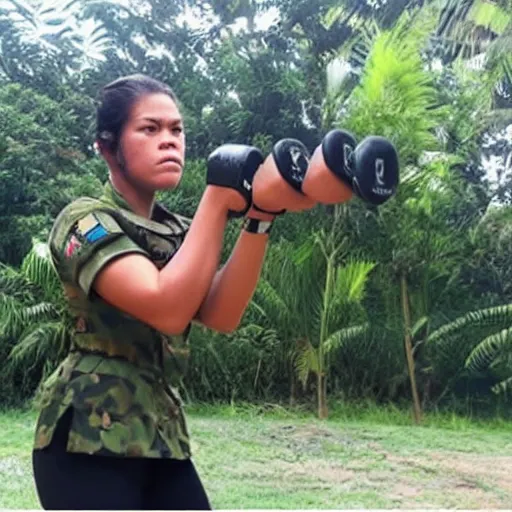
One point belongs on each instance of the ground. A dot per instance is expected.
(250, 461)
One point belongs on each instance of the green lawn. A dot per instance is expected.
(273, 459)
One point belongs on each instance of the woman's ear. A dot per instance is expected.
(103, 149)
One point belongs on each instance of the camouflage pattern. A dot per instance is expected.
(121, 375)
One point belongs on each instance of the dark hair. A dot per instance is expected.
(116, 101)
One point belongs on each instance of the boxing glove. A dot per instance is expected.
(376, 170)
(277, 184)
(369, 170)
(331, 161)
(234, 166)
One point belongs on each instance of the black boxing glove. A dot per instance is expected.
(338, 147)
(292, 161)
(234, 166)
(370, 169)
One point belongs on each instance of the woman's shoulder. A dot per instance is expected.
(78, 210)
(163, 215)
(81, 207)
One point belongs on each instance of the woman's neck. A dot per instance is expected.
(139, 200)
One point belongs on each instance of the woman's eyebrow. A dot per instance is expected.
(157, 120)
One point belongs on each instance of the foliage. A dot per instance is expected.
(34, 323)
(433, 77)
(492, 353)
(40, 160)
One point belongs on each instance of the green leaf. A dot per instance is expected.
(420, 323)
(489, 15)
(38, 342)
(350, 281)
(482, 317)
(306, 361)
(503, 387)
(488, 349)
(343, 336)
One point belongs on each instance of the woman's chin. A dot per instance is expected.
(167, 181)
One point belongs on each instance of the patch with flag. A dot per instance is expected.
(91, 228)
(72, 245)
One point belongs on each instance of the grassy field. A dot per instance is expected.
(253, 458)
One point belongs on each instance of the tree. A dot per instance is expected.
(34, 320)
(43, 44)
(315, 305)
(39, 161)
(416, 236)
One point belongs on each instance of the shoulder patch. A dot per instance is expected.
(71, 246)
(91, 228)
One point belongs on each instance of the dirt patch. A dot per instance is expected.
(320, 470)
(456, 479)
(403, 490)
(313, 456)
(419, 464)
(492, 470)
(306, 432)
(11, 466)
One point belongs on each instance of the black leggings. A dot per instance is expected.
(75, 481)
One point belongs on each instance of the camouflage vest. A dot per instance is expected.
(120, 376)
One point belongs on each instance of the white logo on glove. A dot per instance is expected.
(347, 154)
(379, 171)
(299, 163)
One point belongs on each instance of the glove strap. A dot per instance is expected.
(256, 207)
(257, 226)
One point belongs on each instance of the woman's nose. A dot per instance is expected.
(168, 141)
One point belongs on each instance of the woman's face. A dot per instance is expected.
(152, 144)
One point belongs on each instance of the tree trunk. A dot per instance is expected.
(293, 387)
(408, 349)
(322, 396)
(322, 363)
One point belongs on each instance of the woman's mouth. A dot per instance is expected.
(170, 160)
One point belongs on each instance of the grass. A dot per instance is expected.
(252, 457)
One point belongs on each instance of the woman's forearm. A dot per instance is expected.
(234, 284)
(186, 279)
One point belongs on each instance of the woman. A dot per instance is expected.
(111, 433)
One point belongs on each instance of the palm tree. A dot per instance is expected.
(33, 312)
(471, 27)
(493, 353)
(480, 32)
(396, 96)
(315, 305)
(481, 341)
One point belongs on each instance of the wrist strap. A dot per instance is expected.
(256, 207)
(257, 226)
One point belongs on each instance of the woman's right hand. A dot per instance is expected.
(226, 198)
(230, 172)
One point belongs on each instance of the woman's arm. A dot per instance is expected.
(168, 299)
(234, 284)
